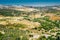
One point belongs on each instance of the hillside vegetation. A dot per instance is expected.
(39, 24)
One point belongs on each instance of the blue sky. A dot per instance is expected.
(30, 2)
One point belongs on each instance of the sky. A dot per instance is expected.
(30, 2)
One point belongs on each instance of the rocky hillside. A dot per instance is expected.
(25, 23)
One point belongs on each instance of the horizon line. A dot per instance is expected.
(41, 5)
